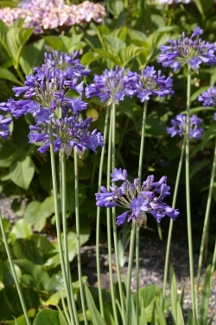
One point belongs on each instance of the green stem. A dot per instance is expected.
(64, 218)
(112, 289)
(69, 294)
(76, 181)
(98, 215)
(115, 237)
(206, 220)
(187, 174)
(171, 220)
(141, 155)
(22, 301)
(130, 264)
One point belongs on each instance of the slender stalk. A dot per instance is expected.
(130, 264)
(76, 181)
(69, 294)
(206, 220)
(64, 218)
(98, 216)
(171, 220)
(22, 301)
(141, 154)
(187, 174)
(115, 237)
(112, 289)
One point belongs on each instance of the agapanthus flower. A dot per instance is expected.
(208, 98)
(112, 86)
(179, 126)
(68, 133)
(4, 126)
(137, 198)
(47, 89)
(149, 83)
(187, 50)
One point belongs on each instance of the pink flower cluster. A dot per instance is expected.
(49, 14)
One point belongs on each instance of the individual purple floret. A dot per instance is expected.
(137, 198)
(4, 126)
(149, 83)
(187, 50)
(179, 126)
(68, 133)
(112, 86)
(46, 90)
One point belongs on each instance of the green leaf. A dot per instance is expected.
(179, 314)
(47, 317)
(27, 249)
(20, 230)
(22, 172)
(6, 276)
(95, 315)
(7, 75)
(41, 277)
(159, 313)
(89, 57)
(129, 53)
(173, 295)
(37, 212)
(16, 39)
(10, 303)
(32, 56)
(3, 36)
(115, 42)
(204, 303)
(56, 43)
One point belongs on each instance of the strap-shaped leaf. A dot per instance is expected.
(95, 315)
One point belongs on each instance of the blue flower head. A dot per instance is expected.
(68, 133)
(187, 50)
(112, 86)
(46, 91)
(179, 126)
(138, 199)
(149, 83)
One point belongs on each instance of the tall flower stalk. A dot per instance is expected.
(147, 84)
(112, 86)
(191, 52)
(100, 173)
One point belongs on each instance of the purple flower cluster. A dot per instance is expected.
(137, 198)
(46, 90)
(187, 50)
(208, 98)
(68, 133)
(49, 14)
(148, 83)
(46, 97)
(112, 86)
(179, 126)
